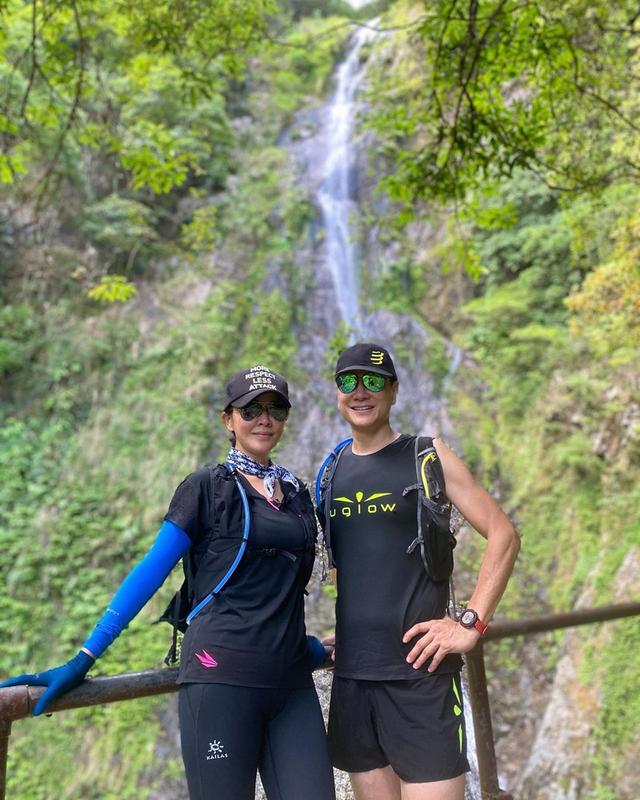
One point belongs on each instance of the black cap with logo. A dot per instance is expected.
(247, 384)
(366, 356)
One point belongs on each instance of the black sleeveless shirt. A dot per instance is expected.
(382, 591)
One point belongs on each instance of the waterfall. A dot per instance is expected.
(336, 194)
(472, 788)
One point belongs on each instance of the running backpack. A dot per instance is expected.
(181, 610)
(434, 537)
(231, 520)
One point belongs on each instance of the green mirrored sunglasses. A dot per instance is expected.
(253, 411)
(347, 382)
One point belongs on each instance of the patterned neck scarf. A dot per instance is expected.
(236, 458)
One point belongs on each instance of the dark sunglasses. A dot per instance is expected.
(348, 381)
(253, 411)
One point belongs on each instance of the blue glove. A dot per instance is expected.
(59, 680)
(315, 652)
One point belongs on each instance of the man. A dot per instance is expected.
(396, 722)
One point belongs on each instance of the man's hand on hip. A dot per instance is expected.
(438, 638)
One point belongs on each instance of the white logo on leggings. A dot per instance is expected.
(215, 750)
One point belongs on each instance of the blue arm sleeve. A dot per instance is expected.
(139, 586)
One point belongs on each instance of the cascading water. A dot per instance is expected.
(472, 788)
(336, 194)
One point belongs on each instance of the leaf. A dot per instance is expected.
(112, 289)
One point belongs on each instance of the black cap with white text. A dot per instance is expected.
(247, 384)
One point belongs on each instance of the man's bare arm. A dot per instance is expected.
(440, 637)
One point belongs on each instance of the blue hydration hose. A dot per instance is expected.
(243, 546)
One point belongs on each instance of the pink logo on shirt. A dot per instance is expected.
(206, 660)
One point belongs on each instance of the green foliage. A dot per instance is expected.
(202, 232)
(113, 289)
(337, 343)
(520, 227)
(515, 341)
(120, 227)
(606, 309)
(17, 329)
(309, 8)
(58, 64)
(269, 338)
(399, 286)
(156, 157)
(437, 362)
(295, 70)
(11, 165)
(228, 30)
(467, 95)
(616, 727)
(330, 591)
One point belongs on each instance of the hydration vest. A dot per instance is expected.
(434, 538)
(211, 562)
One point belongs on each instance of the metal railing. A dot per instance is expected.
(477, 678)
(18, 701)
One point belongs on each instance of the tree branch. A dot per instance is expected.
(75, 105)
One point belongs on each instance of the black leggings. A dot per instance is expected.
(228, 733)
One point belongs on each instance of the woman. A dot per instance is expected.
(247, 531)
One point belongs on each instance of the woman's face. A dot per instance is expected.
(256, 437)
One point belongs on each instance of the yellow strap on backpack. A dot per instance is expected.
(423, 475)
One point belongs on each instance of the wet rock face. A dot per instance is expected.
(558, 765)
(562, 746)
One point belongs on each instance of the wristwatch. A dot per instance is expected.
(469, 619)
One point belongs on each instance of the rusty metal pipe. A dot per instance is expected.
(5, 732)
(530, 625)
(483, 729)
(18, 701)
(482, 726)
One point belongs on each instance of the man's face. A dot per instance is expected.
(366, 410)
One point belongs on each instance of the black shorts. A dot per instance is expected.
(416, 726)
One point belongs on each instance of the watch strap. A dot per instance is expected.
(477, 623)
(480, 626)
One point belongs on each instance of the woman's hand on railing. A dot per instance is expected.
(315, 652)
(58, 680)
(330, 642)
